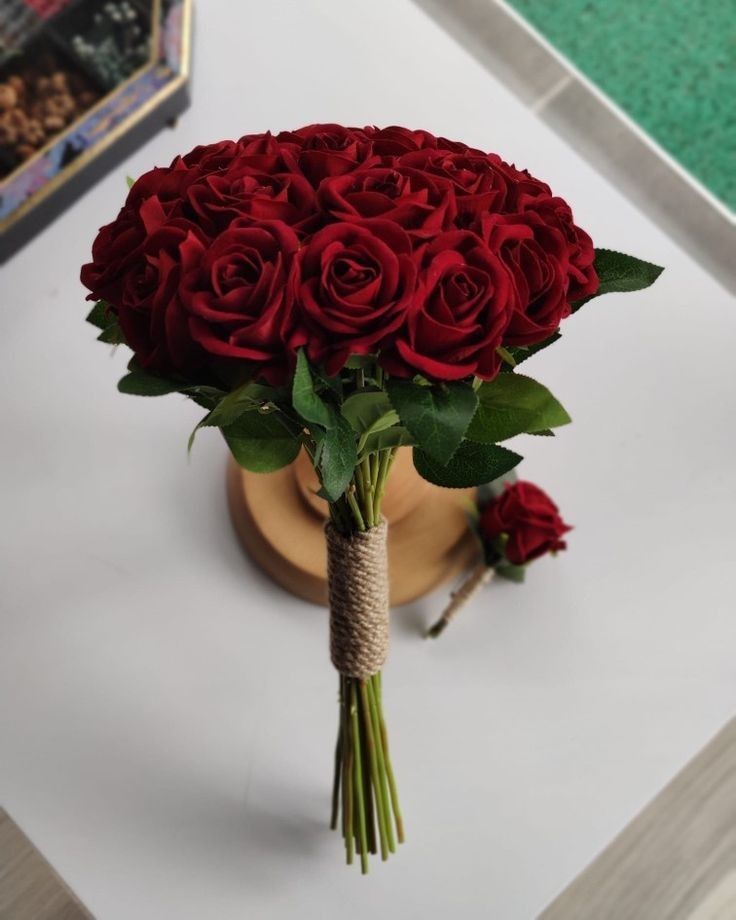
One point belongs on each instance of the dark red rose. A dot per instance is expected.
(583, 279)
(264, 154)
(523, 189)
(537, 256)
(240, 191)
(444, 143)
(459, 313)
(530, 520)
(352, 287)
(326, 150)
(395, 140)
(167, 185)
(234, 290)
(117, 248)
(157, 196)
(207, 158)
(422, 204)
(479, 186)
(150, 311)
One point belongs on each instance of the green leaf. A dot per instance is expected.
(205, 396)
(113, 335)
(103, 318)
(513, 572)
(100, 315)
(521, 352)
(389, 437)
(129, 181)
(365, 408)
(512, 404)
(337, 455)
(247, 397)
(311, 407)
(620, 273)
(141, 383)
(260, 443)
(369, 413)
(437, 416)
(472, 465)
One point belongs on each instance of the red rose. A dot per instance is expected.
(264, 154)
(459, 313)
(352, 287)
(583, 279)
(240, 191)
(537, 256)
(422, 204)
(479, 186)
(167, 185)
(156, 196)
(234, 291)
(209, 157)
(523, 189)
(149, 309)
(530, 520)
(326, 150)
(395, 140)
(117, 248)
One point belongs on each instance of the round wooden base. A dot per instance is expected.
(279, 521)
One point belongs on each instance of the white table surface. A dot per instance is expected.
(167, 715)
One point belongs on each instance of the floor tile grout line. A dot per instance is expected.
(538, 105)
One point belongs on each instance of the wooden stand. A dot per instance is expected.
(280, 521)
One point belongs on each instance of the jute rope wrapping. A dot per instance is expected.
(479, 577)
(357, 581)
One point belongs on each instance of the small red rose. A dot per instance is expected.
(528, 518)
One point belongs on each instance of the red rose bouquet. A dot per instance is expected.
(514, 526)
(347, 291)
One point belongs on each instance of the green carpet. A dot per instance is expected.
(669, 64)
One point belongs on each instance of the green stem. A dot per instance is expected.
(356, 510)
(384, 466)
(357, 762)
(374, 704)
(347, 778)
(389, 769)
(367, 491)
(367, 788)
(371, 742)
(336, 780)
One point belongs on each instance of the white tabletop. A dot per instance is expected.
(167, 715)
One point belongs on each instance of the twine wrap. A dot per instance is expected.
(479, 577)
(357, 582)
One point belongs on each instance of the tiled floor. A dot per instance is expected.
(504, 43)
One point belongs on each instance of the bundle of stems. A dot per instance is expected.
(364, 799)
